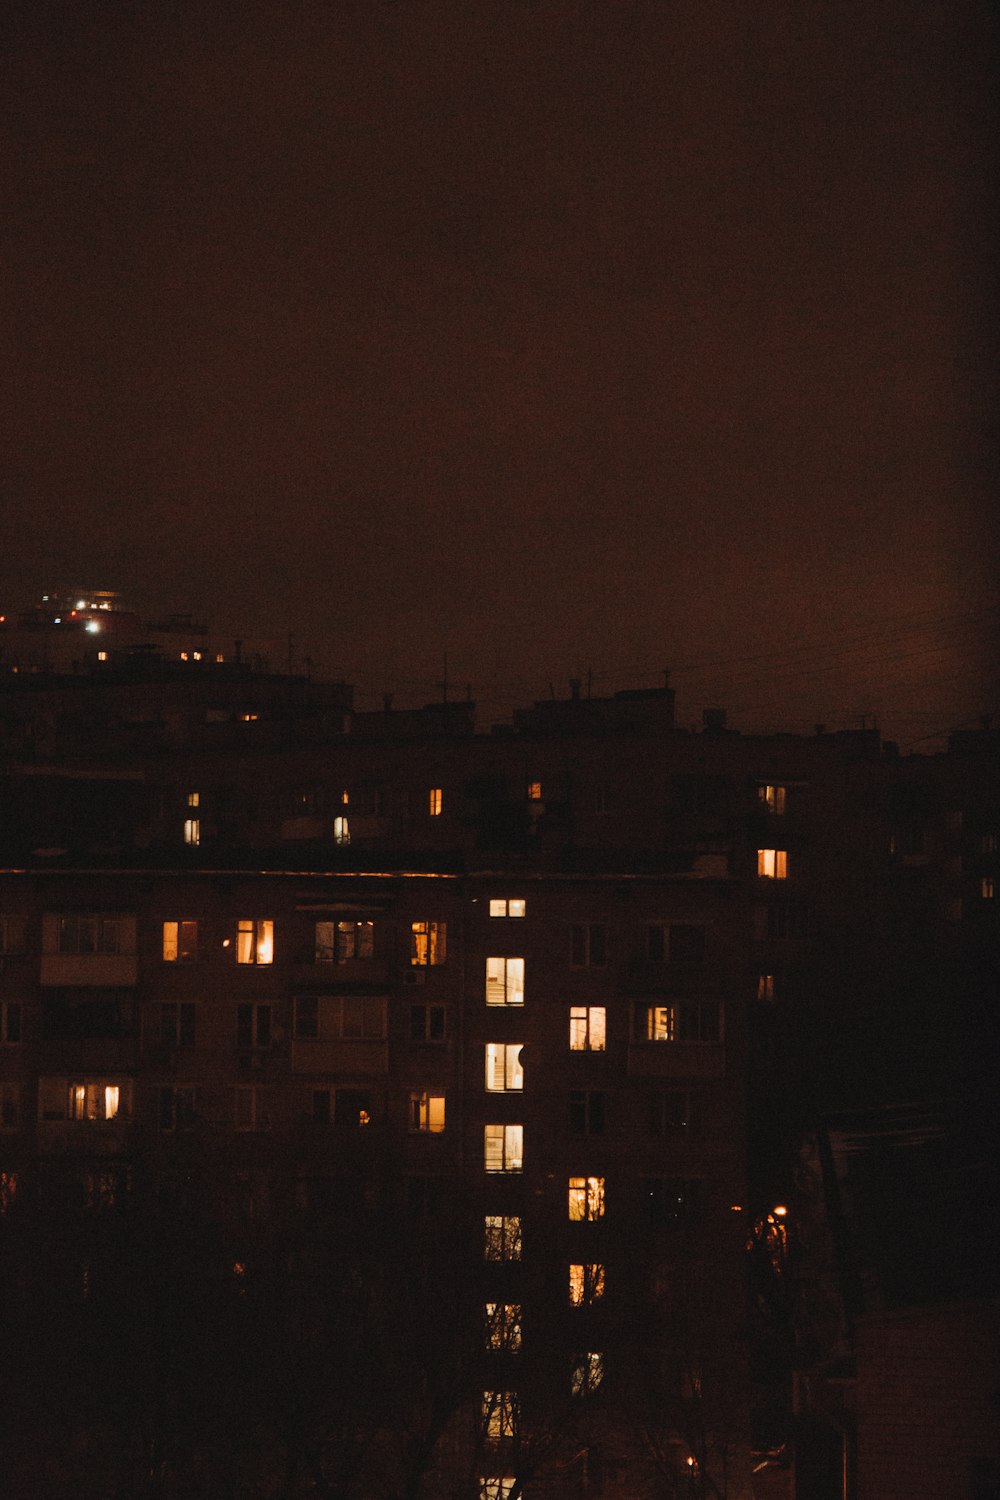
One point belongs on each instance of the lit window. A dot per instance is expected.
(102, 656)
(504, 907)
(435, 801)
(503, 1326)
(765, 986)
(427, 943)
(987, 888)
(341, 831)
(504, 1073)
(351, 1108)
(255, 941)
(180, 942)
(534, 791)
(177, 1024)
(94, 1101)
(586, 1198)
(505, 981)
(10, 1021)
(772, 864)
(589, 946)
(192, 831)
(253, 1026)
(427, 1113)
(500, 1487)
(587, 1028)
(692, 1021)
(339, 942)
(194, 799)
(586, 1284)
(772, 797)
(588, 1372)
(500, 1414)
(502, 1237)
(504, 1148)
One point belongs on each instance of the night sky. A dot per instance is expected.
(562, 338)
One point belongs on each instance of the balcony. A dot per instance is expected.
(677, 1060)
(362, 1059)
(73, 970)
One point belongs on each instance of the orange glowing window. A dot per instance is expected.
(255, 941)
(586, 1283)
(435, 801)
(772, 864)
(587, 1028)
(586, 1198)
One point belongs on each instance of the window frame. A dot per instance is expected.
(428, 943)
(511, 1149)
(511, 986)
(503, 1062)
(589, 1195)
(584, 1035)
(255, 942)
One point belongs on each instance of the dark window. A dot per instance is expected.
(253, 1026)
(672, 1112)
(306, 1016)
(589, 945)
(671, 1202)
(353, 1107)
(687, 943)
(427, 1023)
(177, 1024)
(586, 1112)
(321, 1111)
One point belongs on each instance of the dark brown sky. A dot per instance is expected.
(607, 335)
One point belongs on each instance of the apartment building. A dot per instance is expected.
(479, 1059)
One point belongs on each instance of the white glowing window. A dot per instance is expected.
(772, 797)
(587, 1028)
(586, 1198)
(501, 1412)
(94, 1101)
(194, 799)
(507, 907)
(427, 1113)
(586, 1283)
(435, 801)
(588, 1373)
(503, 1326)
(255, 941)
(341, 831)
(503, 1148)
(504, 1073)
(428, 945)
(505, 981)
(772, 864)
(192, 831)
(502, 1237)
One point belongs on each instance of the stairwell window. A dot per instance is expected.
(504, 906)
(504, 1073)
(505, 981)
(503, 1148)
